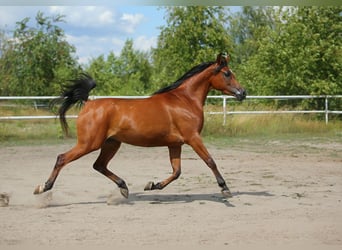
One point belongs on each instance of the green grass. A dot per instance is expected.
(269, 125)
(291, 134)
(33, 132)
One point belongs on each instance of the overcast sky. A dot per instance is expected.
(96, 30)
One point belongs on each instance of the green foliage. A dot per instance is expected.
(37, 59)
(301, 54)
(193, 34)
(127, 74)
(265, 126)
(247, 28)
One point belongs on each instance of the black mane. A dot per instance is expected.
(197, 69)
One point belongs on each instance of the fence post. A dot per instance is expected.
(224, 110)
(326, 110)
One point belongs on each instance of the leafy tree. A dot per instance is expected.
(104, 72)
(247, 27)
(135, 70)
(37, 59)
(193, 34)
(300, 55)
(127, 74)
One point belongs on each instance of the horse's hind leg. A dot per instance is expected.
(175, 154)
(63, 159)
(108, 150)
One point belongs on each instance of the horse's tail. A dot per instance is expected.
(76, 92)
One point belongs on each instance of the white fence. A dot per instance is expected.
(326, 110)
(224, 111)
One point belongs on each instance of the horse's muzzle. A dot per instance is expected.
(240, 94)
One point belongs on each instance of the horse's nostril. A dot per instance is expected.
(242, 94)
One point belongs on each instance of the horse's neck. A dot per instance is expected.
(196, 89)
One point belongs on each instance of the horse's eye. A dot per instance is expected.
(227, 73)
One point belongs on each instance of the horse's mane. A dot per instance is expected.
(197, 69)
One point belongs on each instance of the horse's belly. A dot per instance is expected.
(149, 140)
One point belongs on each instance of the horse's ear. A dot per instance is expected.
(222, 59)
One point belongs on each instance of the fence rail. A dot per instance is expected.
(224, 111)
(326, 110)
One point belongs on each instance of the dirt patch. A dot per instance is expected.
(283, 195)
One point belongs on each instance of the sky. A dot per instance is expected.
(96, 30)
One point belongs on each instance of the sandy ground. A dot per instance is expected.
(284, 195)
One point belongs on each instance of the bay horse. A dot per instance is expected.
(171, 117)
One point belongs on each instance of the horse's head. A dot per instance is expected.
(224, 79)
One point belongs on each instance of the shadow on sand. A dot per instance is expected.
(178, 198)
(188, 198)
(164, 199)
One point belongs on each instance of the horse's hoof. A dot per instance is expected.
(124, 192)
(226, 193)
(149, 186)
(39, 189)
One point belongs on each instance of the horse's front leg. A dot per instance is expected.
(198, 146)
(175, 159)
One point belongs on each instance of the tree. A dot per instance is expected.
(37, 59)
(302, 54)
(135, 70)
(103, 71)
(128, 74)
(247, 27)
(193, 34)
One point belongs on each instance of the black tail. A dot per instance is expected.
(76, 92)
